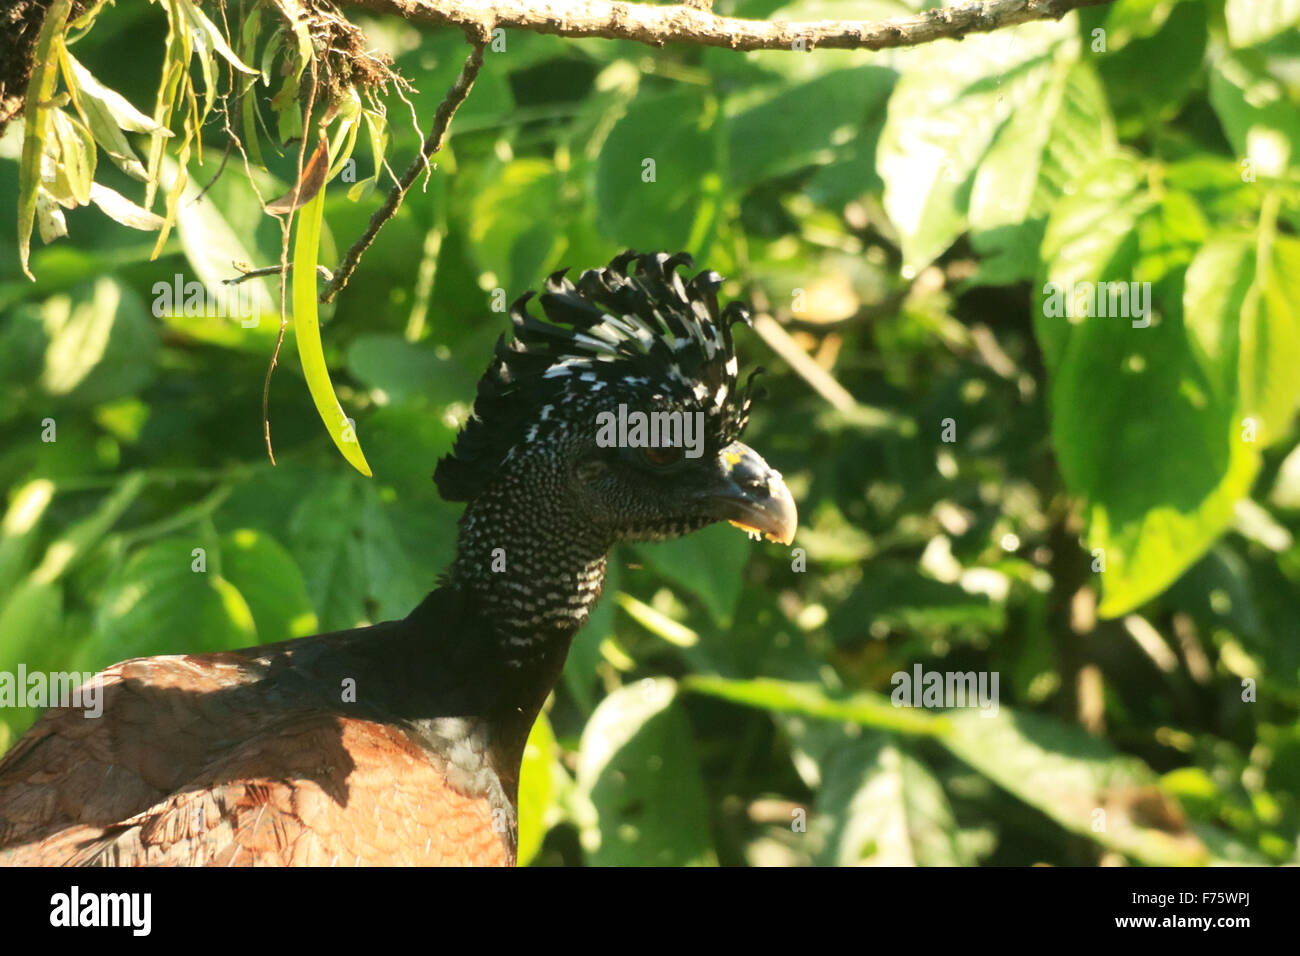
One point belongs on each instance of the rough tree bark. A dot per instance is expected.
(692, 22)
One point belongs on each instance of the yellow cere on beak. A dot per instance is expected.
(756, 499)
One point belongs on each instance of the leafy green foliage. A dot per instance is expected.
(882, 806)
(638, 769)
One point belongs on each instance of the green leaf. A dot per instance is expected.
(307, 333)
(1143, 98)
(74, 159)
(102, 344)
(206, 38)
(655, 622)
(403, 370)
(1244, 318)
(325, 534)
(216, 230)
(1037, 156)
(812, 700)
(267, 577)
(40, 90)
(637, 765)
(159, 604)
(1007, 182)
(902, 597)
(50, 221)
(677, 132)
(74, 544)
(1262, 122)
(1079, 782)
(107, 114)
(882, 806)
(803, 124)
(536, 788)
(377, 133)
(1058, 769)
(348, 117)
(111, 107)
(31, 622)
(1285, 493)
(248, 110)
(120, 209)
(512, 223)
(1159, 488)
(172, 85)
(1253, 21)
(180, 182)
(31, 634)
(708, 564)
(945, 113)
(356, 560)
(213, 36)
(395, 582)
(1127, 20)
(19, 529)
(1086, 231)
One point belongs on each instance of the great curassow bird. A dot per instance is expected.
(261, 756)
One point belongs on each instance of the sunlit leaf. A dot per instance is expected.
(637, 766)
(1253, 21)
(708, 564)
(1260, 119)
(943, 116)
(1078, 781)
(160, 595)
(102, 345)
(271, 584)
(307, 333)
(536, 783)
(118, 207)
(1243, 314)
(107, 113)
(40, 88)
(881, 806)
(810, 700)
(1149, 523)
(50, 221)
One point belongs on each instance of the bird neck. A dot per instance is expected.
(523, 581)
(535, 570)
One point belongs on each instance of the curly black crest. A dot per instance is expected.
(632, 332)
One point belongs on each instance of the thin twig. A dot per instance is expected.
(230, 145)
(248, 272)
(679, 23)
(432, 143)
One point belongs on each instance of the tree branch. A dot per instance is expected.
(657, 25)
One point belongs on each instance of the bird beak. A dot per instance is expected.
(752, 495)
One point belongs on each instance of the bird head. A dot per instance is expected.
(621, 408)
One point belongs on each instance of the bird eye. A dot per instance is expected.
(662, 457)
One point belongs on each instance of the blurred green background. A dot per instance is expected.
(1102, 515)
